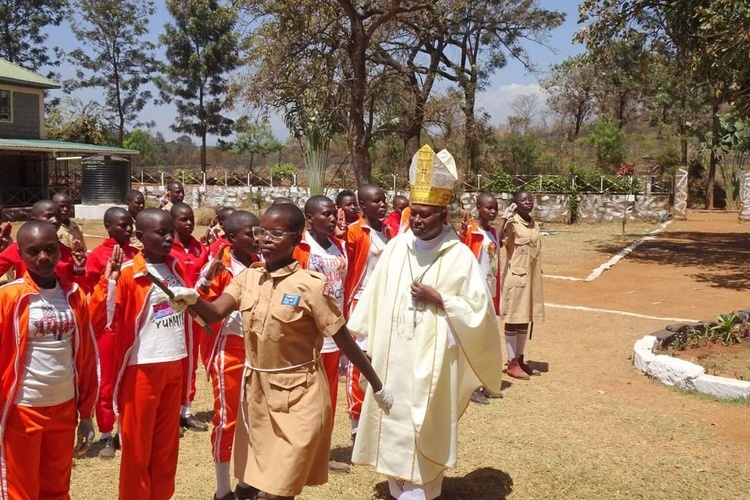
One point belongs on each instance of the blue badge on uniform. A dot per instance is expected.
(290, 300)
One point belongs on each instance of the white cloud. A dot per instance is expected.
(496, 101)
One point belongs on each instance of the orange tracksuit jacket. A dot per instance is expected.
(474, 238)
(358, 253)
(130, 304)
(14, 328)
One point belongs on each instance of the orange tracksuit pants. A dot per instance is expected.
(226, 372)
(149, 403)
(331, 366)
(105, 413)
(193, 336)
(355, 395)
(38, 451)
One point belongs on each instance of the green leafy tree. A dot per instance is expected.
(201, 50)
(23, 40)
(74, 121)
(114, 55)
(572, 88)
(254, 137)
(608, 141)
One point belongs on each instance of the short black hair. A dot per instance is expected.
(400, 198)
(281, 199)
(295, 219)
(239, 219)
(368, 189)
(114, 212)
(518, 194)
(149, 214)
(224, 212)
(34, 226)
(41, 206)
(171, 185)
(178, 207)
(311, 206)
(133, 194)
(484, 196)
(61, 194)
(343, 194)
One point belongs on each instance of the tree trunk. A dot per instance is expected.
(471, 144)
(203, 152)
(358, 140)
(714, 157)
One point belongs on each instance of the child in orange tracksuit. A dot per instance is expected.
(119, 226)
(365, 240)
(48, 380)
(192, 256)
(149, 353)
(224, 354)
(482, 239)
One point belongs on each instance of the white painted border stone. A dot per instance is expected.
(678, 372)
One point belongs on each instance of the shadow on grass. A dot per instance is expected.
(204, 416)
(723, 257)
(482, 484)
(342, 454)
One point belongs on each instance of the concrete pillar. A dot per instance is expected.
(679, 210)
(745, 197)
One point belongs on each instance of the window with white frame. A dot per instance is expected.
(6, 110)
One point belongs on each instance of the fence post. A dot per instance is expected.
(270, 176)
(248, 179)
(294, 180)
(479, 182)
(141, 176)
(394, 183)
(225, 179)
(204, 179)
(541, 183)
(162, 180)
(601, 183)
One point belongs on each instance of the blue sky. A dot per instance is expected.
(505, 85)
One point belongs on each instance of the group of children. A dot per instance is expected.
(141, 300)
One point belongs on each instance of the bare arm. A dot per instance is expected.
(347, 345)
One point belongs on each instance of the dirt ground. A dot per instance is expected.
(591, 426)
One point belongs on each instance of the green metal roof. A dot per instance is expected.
(46, 146)
(16, 75)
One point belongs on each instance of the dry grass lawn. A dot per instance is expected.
(591, 427)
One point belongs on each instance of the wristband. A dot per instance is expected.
(204, 282)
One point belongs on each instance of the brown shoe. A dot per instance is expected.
(492, 395)
(479, 397)
(514, 370)
(338, 467)
(526, 368)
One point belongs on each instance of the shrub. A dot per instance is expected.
(608, 141)
(282, 172)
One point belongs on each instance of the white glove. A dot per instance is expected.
(384, 399)
(85, 435)
(509, 212)
(183, 297)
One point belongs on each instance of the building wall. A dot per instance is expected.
(27, 119)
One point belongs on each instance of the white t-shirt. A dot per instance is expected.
(377, 245)
(162, 333)
(330, 262)
(488, 260)
(233, 323)
(49, 378)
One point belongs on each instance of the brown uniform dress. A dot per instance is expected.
(286, 406)
(522, 298)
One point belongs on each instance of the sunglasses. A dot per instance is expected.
(275, 235)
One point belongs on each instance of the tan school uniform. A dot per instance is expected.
(68, 234)
(522, 298)
(286, 406)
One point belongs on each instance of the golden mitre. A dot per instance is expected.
(431, 177)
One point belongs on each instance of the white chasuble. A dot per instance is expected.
(431, 359)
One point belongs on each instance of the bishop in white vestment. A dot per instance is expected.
(433, 336)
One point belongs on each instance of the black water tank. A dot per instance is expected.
(104, 179)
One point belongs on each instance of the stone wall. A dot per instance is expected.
(547, 207)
